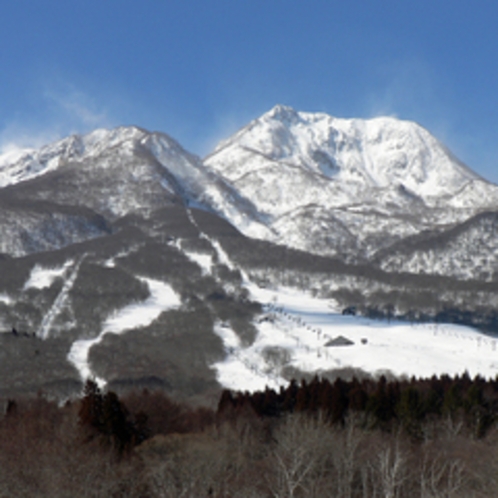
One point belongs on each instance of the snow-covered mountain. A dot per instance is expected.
(125, 257)
(114, 173)
(123, 170)
(336, 187)
(348, 187)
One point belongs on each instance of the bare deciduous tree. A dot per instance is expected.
(298, 461)
(345, 457)
(391, 469)
(441, 477)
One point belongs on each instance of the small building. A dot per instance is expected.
(339, 341)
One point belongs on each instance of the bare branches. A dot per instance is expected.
(300, 455)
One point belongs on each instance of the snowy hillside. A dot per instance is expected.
(300, 333)
(113, 173)
(371, 182)
(467, 252)
(130, 168)
(347, 188)
(379, 152)
(128, 259)
(25, 164)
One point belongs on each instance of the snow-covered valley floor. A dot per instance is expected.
(296, 327)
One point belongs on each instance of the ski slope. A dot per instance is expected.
(141, 314)
(295, 328)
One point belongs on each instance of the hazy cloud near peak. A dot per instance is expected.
(79, 110)
(61, 109)
(407, 87)
(225, 125)
(16, 136)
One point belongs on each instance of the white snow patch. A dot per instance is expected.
(242, 369)
(205, 261)
(5, 298)
(221, 254)
(41, 278)
(162, 298)
(78, 356)
(60, 301)
(227, 335)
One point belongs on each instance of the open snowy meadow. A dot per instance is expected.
(312, 335)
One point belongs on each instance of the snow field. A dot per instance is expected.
(60, 301)
(298, 326)
(203, 260)
(243, 368)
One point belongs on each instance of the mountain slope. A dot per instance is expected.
(126, 258)
(372, 182)
(468, 251)
(117, 173)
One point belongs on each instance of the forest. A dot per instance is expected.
(384, 438)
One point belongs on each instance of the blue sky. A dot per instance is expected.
(200, 69)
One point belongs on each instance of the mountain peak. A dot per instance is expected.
(273, 176)
(282, 113)
(376, 152)
(19, 165)
(314, 174)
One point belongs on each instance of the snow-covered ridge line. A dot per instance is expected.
(378, 152)
(286, 161)
(344, 188)
(24, 164)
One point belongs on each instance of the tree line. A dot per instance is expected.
(372, 437)
(384, 404)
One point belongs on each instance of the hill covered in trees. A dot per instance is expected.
(418, 437)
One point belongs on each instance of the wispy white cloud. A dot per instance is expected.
(61, 109)
(75, 109)
(411, 89)
(408, 87)
(16, 136)
(225, 124)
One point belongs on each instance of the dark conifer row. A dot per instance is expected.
(122, 424)
(384, 402)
